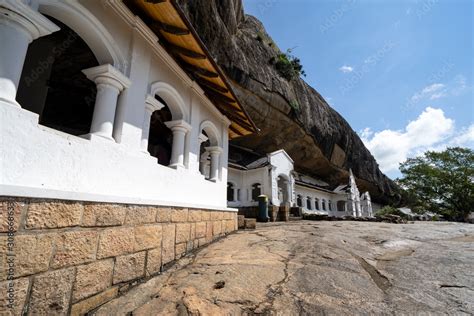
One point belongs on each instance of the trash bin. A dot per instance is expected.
(263, 208)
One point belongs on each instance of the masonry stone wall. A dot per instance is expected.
(68, 257)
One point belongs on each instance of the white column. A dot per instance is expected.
(203, 163)
(215, 153)
(179, 129)
(110, 82)
(19, 26)
(151, 105)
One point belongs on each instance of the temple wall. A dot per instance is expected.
(61, 257)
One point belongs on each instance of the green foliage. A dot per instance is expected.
(440, 182)
(295, 105)
(390, 210)
(288, 65)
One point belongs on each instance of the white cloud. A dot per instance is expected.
(433, 91)
(346, 69)
(460, 85)
(431, 130)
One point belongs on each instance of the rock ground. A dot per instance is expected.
(303, 268)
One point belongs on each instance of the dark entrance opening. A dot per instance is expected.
(52, 83)
(160, 139)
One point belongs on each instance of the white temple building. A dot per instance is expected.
(273, 175)
(97, 105)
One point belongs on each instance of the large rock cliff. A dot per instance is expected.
(291, 114)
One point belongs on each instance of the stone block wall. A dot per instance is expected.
(68, 257)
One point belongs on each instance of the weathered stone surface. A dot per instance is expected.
(169, 237)
(147, 237)
(129, 267)
(195, 215)
(241, 221)
(89, 304)
(217, 216)
(250, 223)
(200, 230)
(10, 214)
(153, 261)
(45, 214)
(318, 268)
(115, 241)
(51, 293)
(193, 231)
(209, 233)
(32, 254)
(229, 225)
(205, 216)
(179, 215)
(73, 248)
(92, 278)
(137, 215)
(183, 232)
(216, 228)
(102, 214)
(291, 114)
(180, 250)
(163, 215)
(13, 296)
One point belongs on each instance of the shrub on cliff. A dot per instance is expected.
(288, 65)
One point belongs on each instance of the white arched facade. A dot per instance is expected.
(111, 163)
(89, 28)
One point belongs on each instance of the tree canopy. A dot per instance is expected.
(440, 182)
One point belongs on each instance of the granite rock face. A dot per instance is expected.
(291, 114)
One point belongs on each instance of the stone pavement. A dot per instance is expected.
(317, 268)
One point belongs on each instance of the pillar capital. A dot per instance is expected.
(214, 150)
(202, 138)
(19, 26)
(152, 104)
(17, 14)
(179, 125)
(108, 75)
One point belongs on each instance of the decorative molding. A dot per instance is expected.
(88, 26)
(107, 74)
(152, 104)
(32, 22)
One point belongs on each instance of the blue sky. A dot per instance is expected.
(399, 71)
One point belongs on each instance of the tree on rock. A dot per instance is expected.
(441, 182)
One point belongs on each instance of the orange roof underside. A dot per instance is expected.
(179, 38)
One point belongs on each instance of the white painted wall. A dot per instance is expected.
(282, 165)
(243, 181)
(314, 193)
(37, 161)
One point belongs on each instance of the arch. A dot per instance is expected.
(284, 186)
(172, 98)
(308, 203)
(323, 205)
(89, 28)
(211, 132)
(329, 205)
(316, 203)
(299, 200)
(53, 84)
